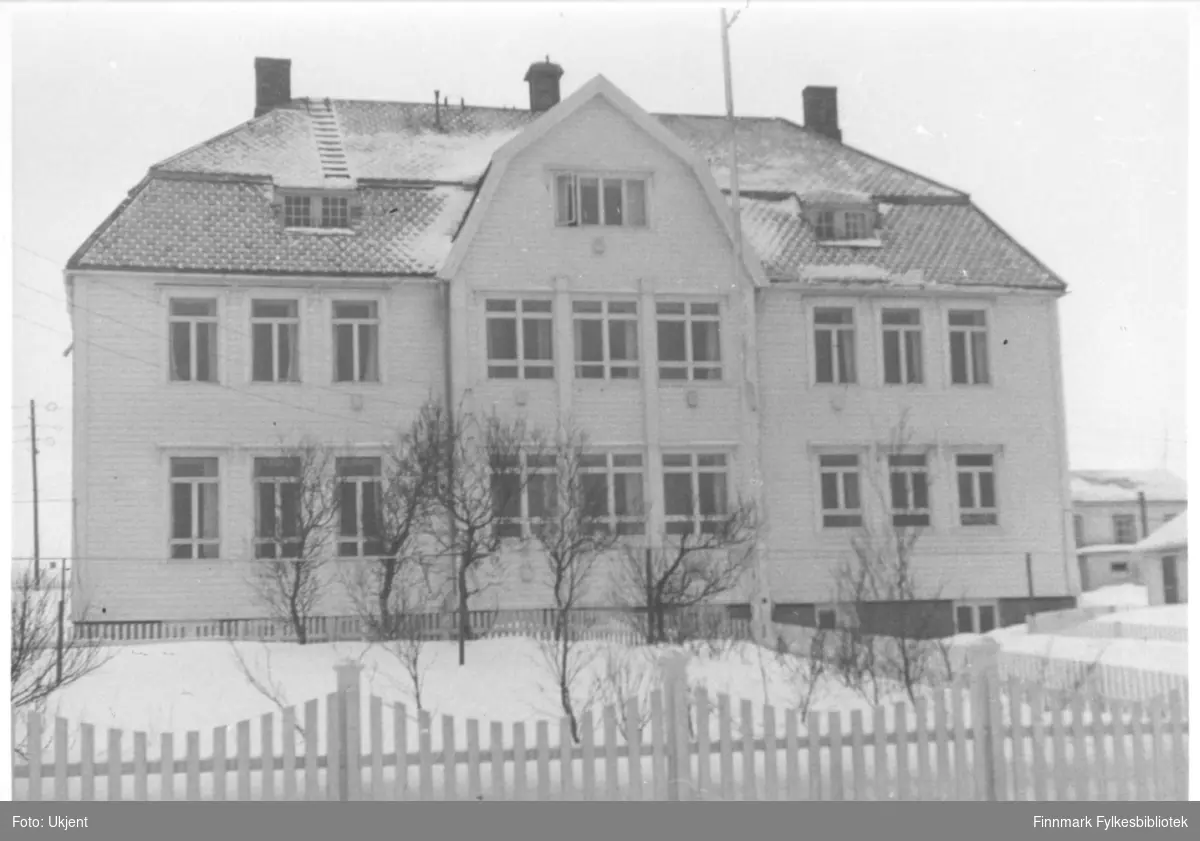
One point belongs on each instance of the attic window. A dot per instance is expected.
(330, 212)
(581, 200)
(843, 225)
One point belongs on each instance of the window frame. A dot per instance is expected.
(361, 538)
(376, 321)
(623, 525)
(1116, 530)
(193, 542)
(975, 606)
(276, 481)
(836, 341)
(217, 365)
(276, 323)
(968, 332)
(607, 318)
(689, 318)
(905, 361)
(694, 471)
(317, 211)
(839, 471)
(574, 219)
(518, 316)
(909, 471)
(524, 521)
(847, 215)
(976, 471)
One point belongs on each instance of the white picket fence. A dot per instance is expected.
(981, 738)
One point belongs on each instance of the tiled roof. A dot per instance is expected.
(184, 225)
(1125, 485)
(199, 224)
(949, 243)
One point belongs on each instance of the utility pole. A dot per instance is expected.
(37, 565)
(733, 159)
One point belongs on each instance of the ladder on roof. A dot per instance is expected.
(330, 150)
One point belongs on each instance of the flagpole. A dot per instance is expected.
(733, 160)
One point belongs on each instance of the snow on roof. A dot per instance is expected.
(1170, 535)
(1105, 549)
(1124, 486)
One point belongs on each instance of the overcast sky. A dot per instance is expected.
(1066, 124)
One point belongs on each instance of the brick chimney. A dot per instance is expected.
(543, 77)
(820, 111)
(272, 84)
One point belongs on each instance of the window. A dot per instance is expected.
(297, 211)
(689, 341)
(193, 325)
(695, 493)
(595, 200)
(335, 212)
(975, 618)
(976, 490)
(968, 347)
(275, 326)
(825, 225)
(359, 484)
(827, 618)
(1078, 530)
(277, 507)
(612, 491)
(841, 502)
(356, 341)
(833, 333)
(1120, 567)
(856, 225)
(195, 514)
(520, 339)
(902, 361)
(606, 340)
(910, 490)
(305, 211)
(1124, 528)
(524, 493)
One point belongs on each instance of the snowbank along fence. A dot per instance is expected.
(982, 738)
(1077, 623)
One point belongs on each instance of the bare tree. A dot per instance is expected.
(676, 583)
(42, 660)
(882, 568)
(378, 587)
(297, 502)
(573, 534)
(486, 466)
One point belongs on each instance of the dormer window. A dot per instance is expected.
(836, 225)
(856, 225)
(825, 226)
(587, 200)
(311, 211)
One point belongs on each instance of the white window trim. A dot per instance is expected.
(609, 471)
(623, 175)
(518, 315)
(974, 605)
(255, 481)
(523, 520)
(316, 203)
(605, 318)
(350, 297)
(694, 471)
(930, 476)
(723, 366)
(919, 329)
(168, 454)
(276, 296)
(989, 342)
(207, 293)
(959, 511)
(861, 454)
(1115, 536)
(838, 329)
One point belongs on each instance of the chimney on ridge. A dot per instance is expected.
(272, 84)
(820, 111)
(543, 77)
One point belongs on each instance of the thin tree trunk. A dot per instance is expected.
(463, 615)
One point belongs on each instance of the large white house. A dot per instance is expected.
(327, 266)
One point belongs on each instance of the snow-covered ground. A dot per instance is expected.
(1116, 595)
(1168, 615)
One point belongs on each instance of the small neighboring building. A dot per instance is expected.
(1113, 510)
(1162, 562)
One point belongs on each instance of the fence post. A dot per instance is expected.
(985, 683)
(348, 672)
(674, 666)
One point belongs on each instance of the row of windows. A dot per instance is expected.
(969, 617)
(695, 493)
(520, 341)
(1124, 528)
(908, 490)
